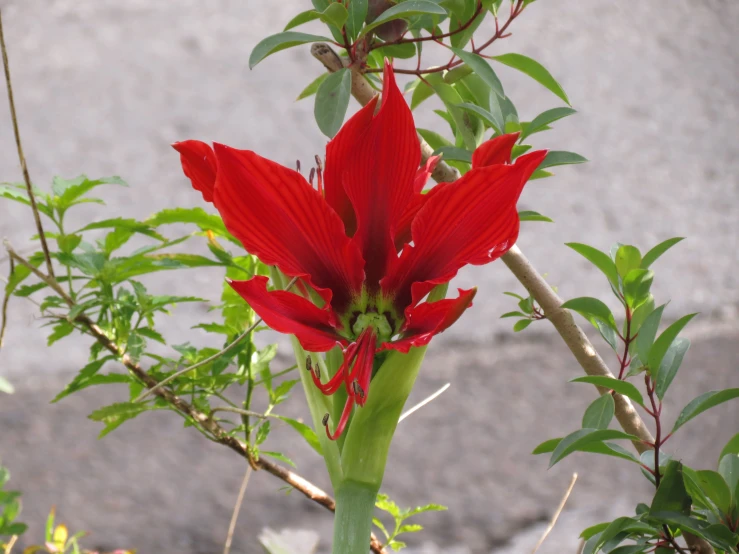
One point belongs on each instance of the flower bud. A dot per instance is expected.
(392, 30)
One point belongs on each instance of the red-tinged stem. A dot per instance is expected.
(433, 37)
(624, 360)
(499, 33)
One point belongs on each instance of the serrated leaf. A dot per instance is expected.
(332, 101)
(281, 41)
(542, 120)
(702, 403)
(600, 413)
(622, 387)
(652, 256)
(116, 414)
(61, 329)
(535, 70)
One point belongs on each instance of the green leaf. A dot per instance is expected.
(420, 93)
(662, 344)
(648, 332)
(611, 383)
(403, 11)
(582, 438)
(521, 324)
(262, 432)
(640, 314)
(281, 41)
(6, 386)
(116, 414)
(135, 346)
(670, 364)
(68, 192)
(702, 403)
(278, 456)
(82, 379)
(61, 329)
(717, 535)
(560, 157)
(732, 447)
(452, 153)
(311, 89)
(715, 487)
(651, 256)
(306, 432)
(600, 413)
(728, 468)
(335, 14)
(636, 287)
(529, 215)
(541, 121)
(332, 101)
(481, 68)
(627, 258)
(535, 70)
(671, 496)
(599, 259)
(605, 448)
(302, 18)
(357, 15)
(435, 140)
(591, 307)
(491, 119)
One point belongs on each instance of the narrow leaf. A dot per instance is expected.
(332, 101)
(278, 42)
(600, 413)
(599, 259)
(542, 120)
(535, 70)
(702, 403)
(481, 68)
(651, 256)
(560, 157)
(622, 387)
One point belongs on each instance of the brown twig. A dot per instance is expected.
(205, 422)
(557, 513)
(6, 301)
(21, 157)
(237, 509)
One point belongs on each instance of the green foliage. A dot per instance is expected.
(399, 517)
(528, 310)
(10, 508)
(332, 101)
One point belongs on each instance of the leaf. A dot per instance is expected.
(715, 487)
(576, 441)
(636, 287)
(671, 496)
(662, 344)
(404, 10)
(670, 364)
(452, 153)
(599, 259)
(83, 378)
(591, 307)
(434, 139)
(647, 332)
(6, 386)
(600, 413)
(702, 403)
(605, 448)
(521, 324)
(68, 192)
(311, 89)
(718, 535)
(627, 258)
(529, 215)
(302, 18)
(335, 14)
(542, 120)
(278, 456)
(728, 467)
(491, 119)
(61, 329)
(560, 157)
(357, 15)
(651, 256)
(116, 414)
(306, 432)
(481, 68)
(535, 70)
(611, 383)
(280, 41)
(262, 432)
(732, 447)
(332, 101)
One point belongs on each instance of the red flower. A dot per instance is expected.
(370, 243)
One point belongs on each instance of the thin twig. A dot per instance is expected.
(206, 423)
(423, 402)
(21, 157)
(210, 359)
(11, 544)
(237, 509)
(6, 301)
(557, 512)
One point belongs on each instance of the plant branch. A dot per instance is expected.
(237, 509)
(21, 157)
(4, 309)
(557, 513)
(204, 421)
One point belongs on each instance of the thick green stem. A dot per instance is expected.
(355, 505)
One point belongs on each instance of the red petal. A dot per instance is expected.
(471, 221)
(283, 221)
(495, 151)
(403, 234)
(424, 172)
(379, 181)
(199, 165)
(289, 313)
(339, 160)
(429, 319)
(343, 421)
(362, 370)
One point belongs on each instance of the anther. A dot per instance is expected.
(308, 363)
(325, 419)
(311, 175)
(319, 173)
(358, 390)
(297, 165)
(319, 163)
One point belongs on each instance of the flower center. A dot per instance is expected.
(382, 327)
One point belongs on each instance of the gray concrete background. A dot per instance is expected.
(103, 87)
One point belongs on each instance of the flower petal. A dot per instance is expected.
(495, 151)
(283, 221)
(199, 165)
(339, 159)
(471, 221)
(430, 318)
(289, 313)
(379, 181)
(424, 172)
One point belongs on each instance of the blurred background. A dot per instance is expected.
(103, 87)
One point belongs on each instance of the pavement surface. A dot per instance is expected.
(104, 87)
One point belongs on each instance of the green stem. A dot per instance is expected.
(355, 505)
